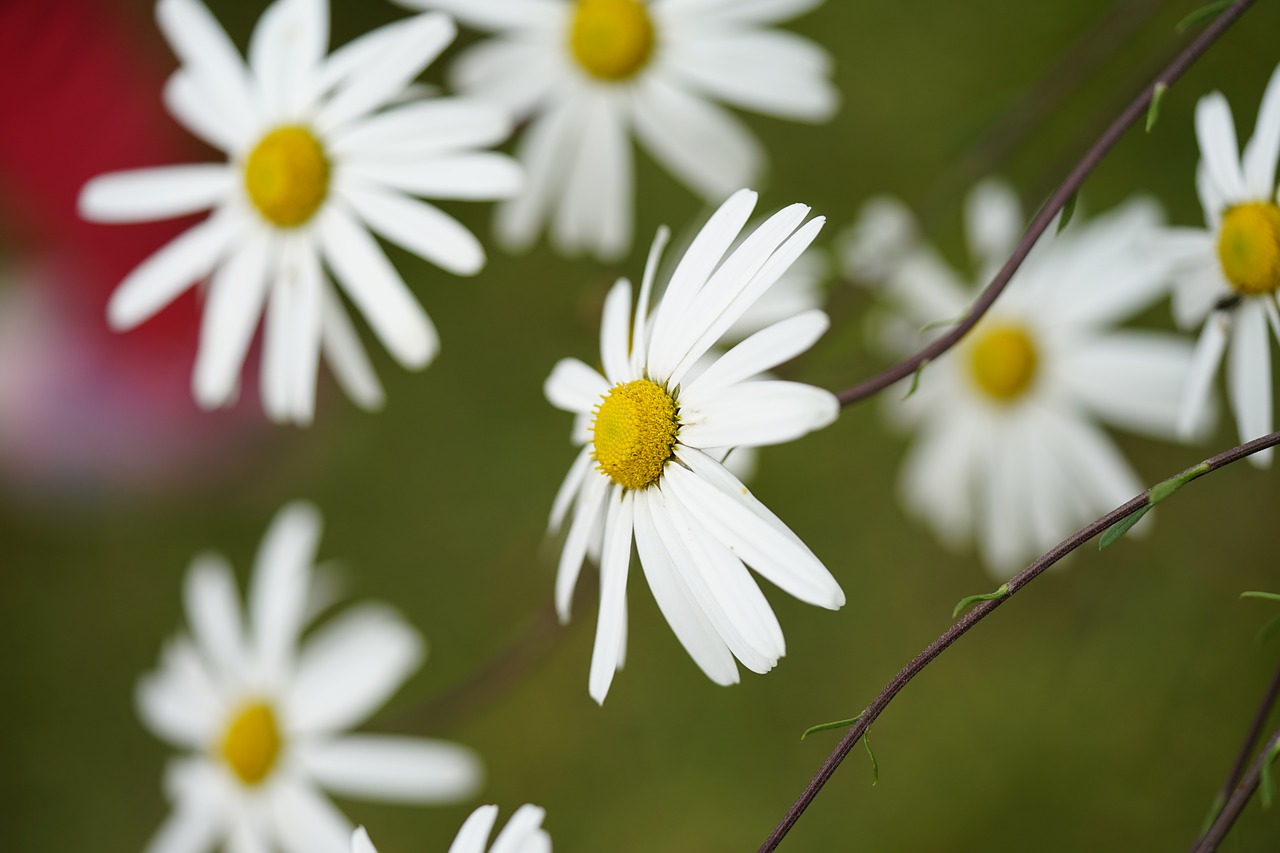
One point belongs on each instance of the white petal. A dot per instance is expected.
(545, 150)
(360, 842)
(423, 229)
(640, 324)
(517, 73)
(595, 211)
(306, 822)
(179, 702)
(587, 522)
(495, 14)
(520, 832)
(1131, 379)
(1204, 366)
(186, 102)
(281, 577)
(180, 263)
(755, 414)
(611, 622)
(474, 833)
(569, 489)
(1249, 375)
(408, 50)
(701, 144)
(346, 356)
(349, 667)
(615, 332)
(479, 176)
(278, 344)
(691, 626)
(1216, 132)
(395, 769)
(285, 51)
(762, 351)
(144, 195)
(1004, 520)
(1263, 150)
(733, 516)
(307, 321)
(192, 827)
(937, 480)
(377, 290)
(574, 387)
(212, 603)
(211, 59)
(745, 11)
(232, 309)
(993, 221)
(422, 129)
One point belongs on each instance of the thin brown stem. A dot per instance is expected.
(1239, 799)
(972, 618)
(1136, 110)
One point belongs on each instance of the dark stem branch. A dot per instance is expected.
(1239, 798)
(1136, 111)
(973, 617)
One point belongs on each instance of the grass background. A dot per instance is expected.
(1098, 711)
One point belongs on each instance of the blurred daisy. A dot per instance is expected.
(314, 162)
(1008, 447)
(1226, 275)
(644, 472)
(522, 834)
(262, 716)
(586, 73)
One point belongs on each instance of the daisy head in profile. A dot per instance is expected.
(1008, 445)
(1226, 274)
(322, 152)
(262, 719)
(587, 74)
(522, 834)
(646, 472)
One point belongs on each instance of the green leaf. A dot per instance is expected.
(875, 765)
(1202, 15)
(915, 380)
(1164, 489)
(1263, 596)
(1068, 210)
(938, 324)
(966, 603)
(822, 727)
(1268, 631)
(1114, 533)
(1153, 111)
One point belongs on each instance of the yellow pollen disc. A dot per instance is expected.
(1003, 361)
(251, 744)
(611, 39)
(287, 176)
(633, 433)
(1249, 248)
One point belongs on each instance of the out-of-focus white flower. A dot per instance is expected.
(1008, 448)
(1226, 275)
(643, 473)
(319, 151)
(522, 834)
(263, 717)
(587, 73)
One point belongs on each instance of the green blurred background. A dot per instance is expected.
(1098, 711)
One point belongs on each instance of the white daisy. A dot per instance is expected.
(1008, 447)
(319, 150)
(522, 834)
(262, 717)
(588, 73)
(644, 474)
(1227, 274)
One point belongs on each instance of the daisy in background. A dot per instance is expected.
(319, 152)
(1008, 449)
(1226, 274)
(522, 834)
(586, 74)
(644, 473)
(262, 717)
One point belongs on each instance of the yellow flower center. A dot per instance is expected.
(611, 39)
(1003, 361)
(1249, 248)
(251, 744)
(634, 432)
(287, 176)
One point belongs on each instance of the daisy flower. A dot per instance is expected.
(262, 717)
(644, 473)
(585, 74)
(1227, 274)
(1009, 448)
(522, 834)
(319, 152)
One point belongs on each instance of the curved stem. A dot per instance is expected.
(973, 617)
(1136, 110)
(1239, 798)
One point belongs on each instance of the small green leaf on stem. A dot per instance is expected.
(822, 727)
(1202, 15)
(965, 603)
(875, 766)
(1164, 489)
(1114, 533)
(938, 324)
(1153, 111)
(1263, 596)
(1068, 210)
(1268, 781)
(915, 380)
